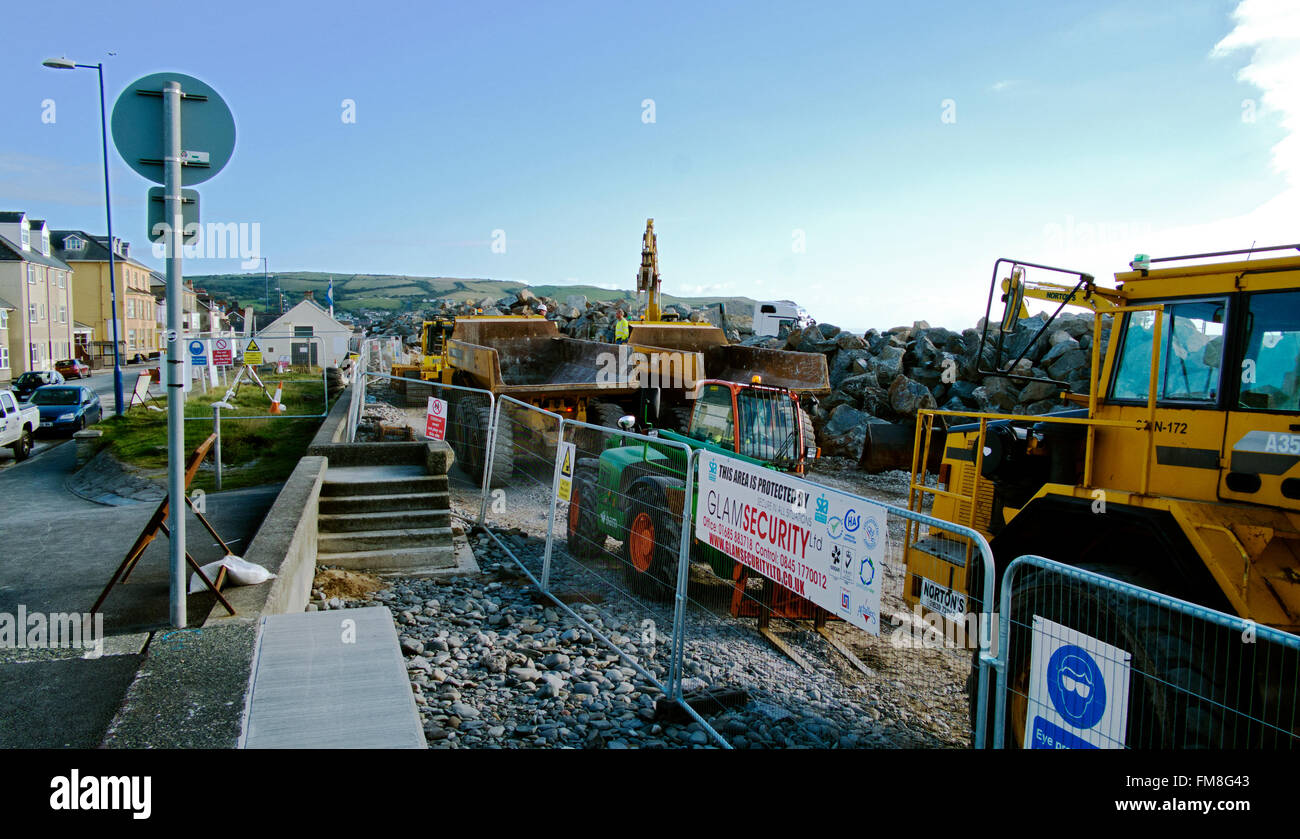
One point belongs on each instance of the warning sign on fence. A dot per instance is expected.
(252, 353)
(435, 419)
(568, 451)
(825, 546)
(1078, 690)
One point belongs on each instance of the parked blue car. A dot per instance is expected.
(67, 408)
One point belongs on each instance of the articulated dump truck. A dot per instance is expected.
(526, 358)
(1178, 471)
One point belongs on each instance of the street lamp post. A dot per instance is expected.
(66, 64)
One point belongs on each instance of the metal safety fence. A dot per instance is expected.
(403, 409)
(1091, 661)
(604, 523)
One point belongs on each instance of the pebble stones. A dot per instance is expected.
(494, 665)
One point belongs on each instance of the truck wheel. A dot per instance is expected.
(679, 418)
(503, 458)
(468, 446)
(23, 448)
(809, 433)
(1177, 690)
(585, 538)
(591, 443)
(650, 544)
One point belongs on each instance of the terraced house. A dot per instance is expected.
(39, 286)
(138, 332)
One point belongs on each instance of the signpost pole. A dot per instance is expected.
(175, 362)
(216, 429)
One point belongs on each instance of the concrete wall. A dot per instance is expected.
(285, 544)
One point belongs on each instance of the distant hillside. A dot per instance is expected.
(398, 292)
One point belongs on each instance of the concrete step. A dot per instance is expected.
(397, 520)
(381, 540)
(422, 483)
(384, 503)
(431, 558)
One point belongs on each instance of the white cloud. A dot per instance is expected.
(1271, 29)
(1005, 84)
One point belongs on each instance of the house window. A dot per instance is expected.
(35, 355)
(4, 318)
(73, 243)
(31, 313)
(31, 274)
(4, 358)
(63, 279)
(130, 339)
(63, 314)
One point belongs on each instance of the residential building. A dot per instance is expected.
(305, 335)
(192, 315)
(6, 313)
(138, 332)
(40, 287)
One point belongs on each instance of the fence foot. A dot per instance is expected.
(843, 650)
(785, 648)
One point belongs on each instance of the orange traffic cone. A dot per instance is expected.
(275, 402)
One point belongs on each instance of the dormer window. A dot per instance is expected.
(26, 239)
(73, 243)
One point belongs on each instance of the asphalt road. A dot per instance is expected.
(57, 551)
(101, 381)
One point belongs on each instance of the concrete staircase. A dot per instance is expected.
(390, 518)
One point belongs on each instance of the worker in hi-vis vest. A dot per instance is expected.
(622, 329)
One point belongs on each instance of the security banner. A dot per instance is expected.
(823, 545)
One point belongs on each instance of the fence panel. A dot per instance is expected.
(817, 679)
(1096, 662)
(396, 409)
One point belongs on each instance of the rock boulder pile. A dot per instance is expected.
(886, 377)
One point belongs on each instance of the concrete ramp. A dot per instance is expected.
(321, 683)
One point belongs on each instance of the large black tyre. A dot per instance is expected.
(650, 543)
(591, 443)
(23, 447)
(503, 458)
(1177, 688)
(809, 433)
(679, 418)
(585, 539)
(474, 416)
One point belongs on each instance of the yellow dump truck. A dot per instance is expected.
(1179, 470)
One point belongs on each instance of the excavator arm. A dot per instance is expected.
(647, 277)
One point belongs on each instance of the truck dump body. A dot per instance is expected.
(801, 372)
(524, 357)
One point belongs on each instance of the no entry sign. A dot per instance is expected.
(435, 420)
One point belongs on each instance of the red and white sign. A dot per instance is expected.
(435, 420)
(221, 352)
(824, 545)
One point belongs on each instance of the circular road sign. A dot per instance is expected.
(207, 128)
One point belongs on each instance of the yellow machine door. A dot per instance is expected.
(1261, 444)
(1187, 430)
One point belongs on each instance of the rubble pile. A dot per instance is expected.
(888, 376)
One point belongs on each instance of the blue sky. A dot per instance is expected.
(1083, 132)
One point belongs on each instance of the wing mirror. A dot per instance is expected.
(627, 423)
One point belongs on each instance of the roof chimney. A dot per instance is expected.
(308, 295)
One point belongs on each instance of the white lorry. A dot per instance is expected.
(18, 424)
(777, 317)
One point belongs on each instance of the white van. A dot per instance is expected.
(777, 317)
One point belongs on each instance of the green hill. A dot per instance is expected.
(399, 292)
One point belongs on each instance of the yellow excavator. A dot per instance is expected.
(1179, 471)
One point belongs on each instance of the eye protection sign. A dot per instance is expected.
(1078, 690)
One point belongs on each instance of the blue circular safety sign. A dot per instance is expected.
(1075, 686)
